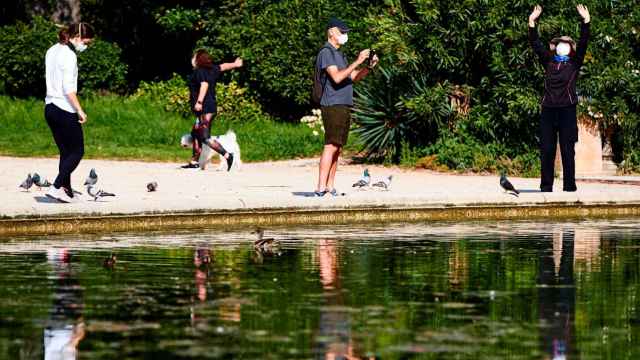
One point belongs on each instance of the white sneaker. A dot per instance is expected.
(59, 195)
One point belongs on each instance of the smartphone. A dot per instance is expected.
(372, 54)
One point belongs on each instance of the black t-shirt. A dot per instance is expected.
(209, 76)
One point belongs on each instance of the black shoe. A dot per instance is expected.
(229, 161)
(546, 189)
(573, 189)
(190, 166)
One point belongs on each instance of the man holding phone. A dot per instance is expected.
(337, 78)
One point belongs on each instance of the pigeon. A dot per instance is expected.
(27, 183)
(365, 181)
(507, 186)
(384, 183)
(98, 194)
(40, 182)
(92, 179)
(152, 186)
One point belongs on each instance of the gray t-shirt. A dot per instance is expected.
(334, 94)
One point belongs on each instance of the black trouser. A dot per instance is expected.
(67, 133)
(554, 123)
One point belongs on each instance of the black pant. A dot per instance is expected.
(67, 133)
(560, 122)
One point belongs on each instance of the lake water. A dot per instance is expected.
(517, 290)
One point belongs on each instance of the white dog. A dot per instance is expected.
(228, 142)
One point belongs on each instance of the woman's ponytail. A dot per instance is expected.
(63, 36)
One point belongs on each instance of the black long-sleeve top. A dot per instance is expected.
(560, 77)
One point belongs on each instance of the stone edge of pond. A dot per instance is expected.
(198, 219)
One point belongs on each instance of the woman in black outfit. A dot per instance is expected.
(562, 68)
(202, 88)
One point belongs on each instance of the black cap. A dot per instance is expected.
(333, 22)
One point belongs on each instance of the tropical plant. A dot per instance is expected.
(411, 113)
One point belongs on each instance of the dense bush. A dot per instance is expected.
(22, 60)
(278, 40)
(234, 103)
(483, 46)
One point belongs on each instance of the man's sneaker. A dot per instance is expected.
(229, 162)
(320, 193)
(59, 194)
(190, 165)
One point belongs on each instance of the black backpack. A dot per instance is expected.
(319, 81)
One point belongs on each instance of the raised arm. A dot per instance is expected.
(534, 39)
(230, 66)
(581, 51)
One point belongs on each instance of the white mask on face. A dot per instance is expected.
(79, 46)
(343, 38)
(563, 49)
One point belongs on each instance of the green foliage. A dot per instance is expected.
(172, 95)
(279, 40)
(22, 56)
(100, 68)
(484, 46)
(22, 60)
(139, 128)
(234, 102)
(412, 114)
(180, 19)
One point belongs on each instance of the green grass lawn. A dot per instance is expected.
(124, 128)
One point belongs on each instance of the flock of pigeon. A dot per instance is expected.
(365, 182)
(36, 180)
(362, 184)
(90, 183)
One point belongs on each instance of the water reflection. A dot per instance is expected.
(65, 327)
(530, 291)
(334, 339)
(202, 257)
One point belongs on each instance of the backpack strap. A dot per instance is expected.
(322, 72)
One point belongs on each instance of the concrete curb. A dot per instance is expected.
(295, 216)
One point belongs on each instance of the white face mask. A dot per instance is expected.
(343, 38)
(563, 49)
(79, 46)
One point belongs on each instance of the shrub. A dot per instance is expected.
(22, 60)
(234, 102)
(484, 45)
(278, 40)
(411, 114)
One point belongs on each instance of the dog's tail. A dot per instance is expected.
(232, 135)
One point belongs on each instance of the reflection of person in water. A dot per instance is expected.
(201, 260)
(65, 328)
(334, 328)
(557, 298)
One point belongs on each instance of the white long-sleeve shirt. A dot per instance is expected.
(61, 65)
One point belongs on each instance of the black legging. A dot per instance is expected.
(67, 133)
(203, 136)
(558, 123)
